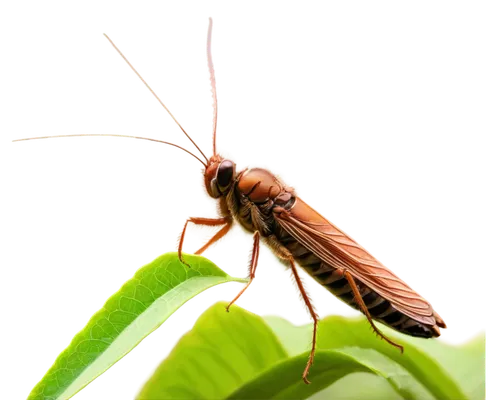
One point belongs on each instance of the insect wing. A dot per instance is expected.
(337, 249)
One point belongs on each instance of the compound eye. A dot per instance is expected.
(225, 173)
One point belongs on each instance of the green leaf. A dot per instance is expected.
(359, 385)
(222, 352)
(137, 309)
(241, 354)
(284, 380)
(399, 378)
(438, 364)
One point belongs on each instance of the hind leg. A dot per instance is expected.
(365, 311)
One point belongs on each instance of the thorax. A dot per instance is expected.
(253, 196)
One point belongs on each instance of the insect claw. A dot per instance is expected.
(306, 371)
(181, 259)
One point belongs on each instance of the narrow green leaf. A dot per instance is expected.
(137, 309)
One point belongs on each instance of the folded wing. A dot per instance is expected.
(338, 250)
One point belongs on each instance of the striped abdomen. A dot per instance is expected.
(333, 280)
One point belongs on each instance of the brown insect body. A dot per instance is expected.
(259, 201)
(296, 233)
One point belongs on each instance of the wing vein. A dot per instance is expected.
(338, 250)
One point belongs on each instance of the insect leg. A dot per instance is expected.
(311, 310)
(363, 308)
(252, 267)
(214, 239)
(302, 289)
(206, 222)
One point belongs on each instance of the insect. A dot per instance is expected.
(298, 235)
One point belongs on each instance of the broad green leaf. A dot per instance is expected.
(295, 339)
(223, 351)
(359, 385)
(420, 358)
(399, 378)
(137, 309)
(284, 380)
(241, 354)
(432, 362)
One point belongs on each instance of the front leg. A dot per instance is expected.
(225, 221)
(251, 268)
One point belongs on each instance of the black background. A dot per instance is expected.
(363, 108)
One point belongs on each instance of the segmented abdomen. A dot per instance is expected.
(332, 279)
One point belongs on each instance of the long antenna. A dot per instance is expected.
(112, 135)
(212, 78)
(155, 95)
